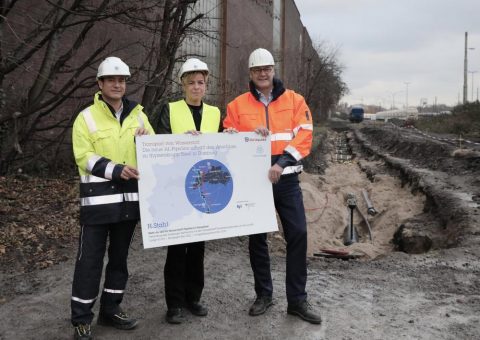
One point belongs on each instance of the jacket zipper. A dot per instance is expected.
(266, 116)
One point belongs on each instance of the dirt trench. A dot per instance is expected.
(397, 206)
(448, 177)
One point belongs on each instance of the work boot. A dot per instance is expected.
(196, 308)
(82, 332)
(175, 316)
(119, 320)
(260, 305)
(305, 311)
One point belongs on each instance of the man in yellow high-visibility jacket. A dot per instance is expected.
(103, 140)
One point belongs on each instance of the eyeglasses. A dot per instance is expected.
(260, 70)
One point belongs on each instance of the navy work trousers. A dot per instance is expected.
(89, 266)
(288, 201)
(183, 273)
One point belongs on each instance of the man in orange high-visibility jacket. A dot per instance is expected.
(269, 108)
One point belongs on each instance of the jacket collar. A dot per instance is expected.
(277, 91)
(128, 105)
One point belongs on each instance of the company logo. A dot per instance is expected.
(245, 204)
(256, 139)
(154, 225)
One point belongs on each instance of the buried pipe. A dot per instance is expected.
(367, 224)
(370, 209)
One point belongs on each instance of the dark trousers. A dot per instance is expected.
(288, 201)
(89, 266)
(184, 276)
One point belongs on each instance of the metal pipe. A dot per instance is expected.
(367, 224)
(370, 209)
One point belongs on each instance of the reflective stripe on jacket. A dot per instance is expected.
(102, 146)
(287, 117)
(181, 119)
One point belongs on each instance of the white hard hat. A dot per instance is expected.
(193, 65)
(260, 57)
(113, 66)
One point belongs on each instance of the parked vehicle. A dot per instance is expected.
(356, 114)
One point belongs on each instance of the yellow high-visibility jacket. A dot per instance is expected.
(102, 146)
(181, 119)
(177, 117)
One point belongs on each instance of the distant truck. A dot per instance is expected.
(356, 114)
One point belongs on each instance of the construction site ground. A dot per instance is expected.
(419, 278)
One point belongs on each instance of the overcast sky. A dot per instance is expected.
(385, 43)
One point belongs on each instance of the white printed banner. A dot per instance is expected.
(210, 186)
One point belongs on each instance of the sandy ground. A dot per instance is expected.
(386, 294)
(398, 296)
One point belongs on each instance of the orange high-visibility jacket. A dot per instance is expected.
(287, 117)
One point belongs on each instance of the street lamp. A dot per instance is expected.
(471, 49)
(393, 98)
(406, 99)
(465, 68)
(472, 72)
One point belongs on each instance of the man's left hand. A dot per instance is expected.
(230, 130)
(129, 172)
(262, 130)
(141, 132)
(274, 173)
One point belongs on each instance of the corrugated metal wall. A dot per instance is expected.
(278, 22)
(205, 45)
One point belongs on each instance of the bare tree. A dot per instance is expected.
(324, 84)
(36, 74)
(163, 54)
(47, 56)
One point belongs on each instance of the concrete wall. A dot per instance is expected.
(248, 25)
(292, 47)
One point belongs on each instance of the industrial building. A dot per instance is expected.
(51, 72)
(232, 29)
